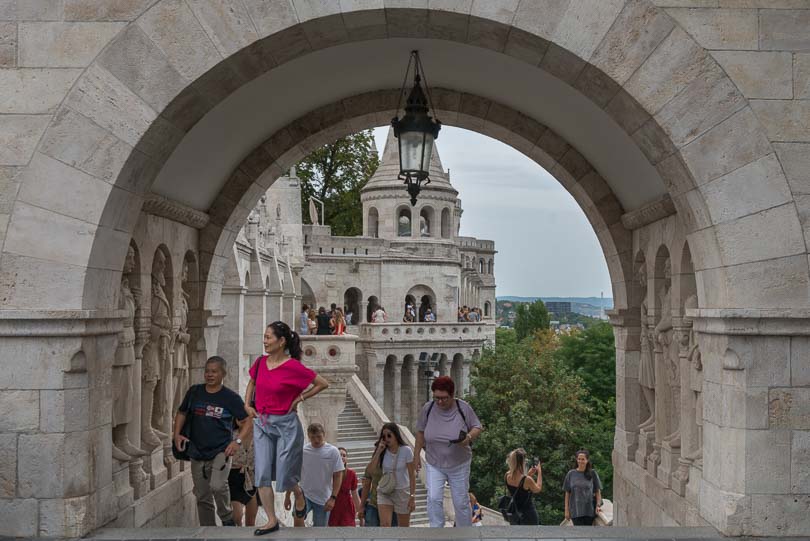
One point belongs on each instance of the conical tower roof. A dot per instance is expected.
(388, 170)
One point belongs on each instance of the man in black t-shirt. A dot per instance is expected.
(213, 409)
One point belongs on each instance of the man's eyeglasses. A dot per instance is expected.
(440, 398)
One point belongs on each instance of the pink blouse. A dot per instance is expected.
(277, 388)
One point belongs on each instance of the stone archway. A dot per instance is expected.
(107, 130)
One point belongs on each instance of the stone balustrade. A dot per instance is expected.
(420, 331)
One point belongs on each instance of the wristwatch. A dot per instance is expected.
(332, 497)
(238, 441)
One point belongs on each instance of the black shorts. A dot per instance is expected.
(236, 484)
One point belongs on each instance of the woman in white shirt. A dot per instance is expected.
(395, 457)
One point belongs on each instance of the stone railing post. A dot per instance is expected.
(333, 357)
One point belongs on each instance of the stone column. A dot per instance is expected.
(255, 321)
(231, 337)
(396, 389)
(362, 316)
(56, 437)
(275, 304)
(416, 399)
(627, 334)
(288, 314)
(671, 444)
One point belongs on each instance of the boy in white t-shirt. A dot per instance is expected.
(321, 477)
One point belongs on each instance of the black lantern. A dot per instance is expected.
(416, 131)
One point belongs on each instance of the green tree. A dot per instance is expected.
(525, 398)
(591, 354)
(335, 174)
(530, 318)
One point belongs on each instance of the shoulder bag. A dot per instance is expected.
(388, 482)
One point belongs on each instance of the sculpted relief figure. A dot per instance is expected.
(646, 377)
(123, 384)
(154, 397)
(670, 354)
(695, 453)
(182, 339)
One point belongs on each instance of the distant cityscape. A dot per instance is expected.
(579, 311)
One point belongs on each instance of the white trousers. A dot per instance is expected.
(458, 478)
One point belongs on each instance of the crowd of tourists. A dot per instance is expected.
(468, 314)
(323, 322)
(239, 448)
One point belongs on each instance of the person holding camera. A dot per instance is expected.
(583, 491)
(446, 429)
(520, 510)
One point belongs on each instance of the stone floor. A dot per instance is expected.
(449, 534)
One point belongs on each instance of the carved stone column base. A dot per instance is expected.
(669, 463)
(153, 466)
(138, 479)
(681, 476)
(123, 490)
(645, 447)
(693, 485)
(171, 464)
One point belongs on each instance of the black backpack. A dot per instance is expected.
(509, 508)
(462, 434)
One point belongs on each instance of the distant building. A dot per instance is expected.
(559, 308)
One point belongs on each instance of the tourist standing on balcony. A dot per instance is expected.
(379, 315)
(321, 478)
(430, 317)
(324, 321)
(303, 328)
(446, 429)
(348, 502)
(278, 383)
(213, 409)
(397, 494)
(522, 487)
(339, 323)
(583, 491)
(312, 322)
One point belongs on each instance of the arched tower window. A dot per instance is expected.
(480, 266)
(373, 223)
(447, 224)
(404, 222)
(487, 308)
(490, 267)
(426, 222)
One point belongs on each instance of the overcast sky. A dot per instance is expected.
(546, 247)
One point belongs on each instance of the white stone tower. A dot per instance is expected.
(387, 211)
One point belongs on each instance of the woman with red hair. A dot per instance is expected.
(446, 430)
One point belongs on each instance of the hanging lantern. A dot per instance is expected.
(416, 131)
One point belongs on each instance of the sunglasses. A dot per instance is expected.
(388, 436)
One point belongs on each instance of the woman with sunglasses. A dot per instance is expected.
(395, 457)
(446, 430)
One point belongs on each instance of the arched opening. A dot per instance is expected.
(404, 222)
(426, 298)
(447, 224)
(480, 266)
(372, 223)
(491, 267)
(487, 309)
(307, 295)
(351, 303)
(225, 192)
(373, 304)
(426, 222)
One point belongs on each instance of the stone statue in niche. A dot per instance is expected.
(123, 383)
(664, 335)
(181, 342)
(646, 377)
(155, 397)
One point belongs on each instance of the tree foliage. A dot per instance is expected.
(530, 317)
(528, 394)
(525, 398)
(335, 174)
(591, 355)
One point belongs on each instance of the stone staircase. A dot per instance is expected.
(358, 437)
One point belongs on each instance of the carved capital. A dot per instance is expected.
(652, 212)
(166, 208)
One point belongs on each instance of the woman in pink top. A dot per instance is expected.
(278, 383)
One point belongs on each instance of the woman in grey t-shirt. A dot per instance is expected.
(582, 490)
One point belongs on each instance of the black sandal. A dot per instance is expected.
(300, 513)
(265, 531)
